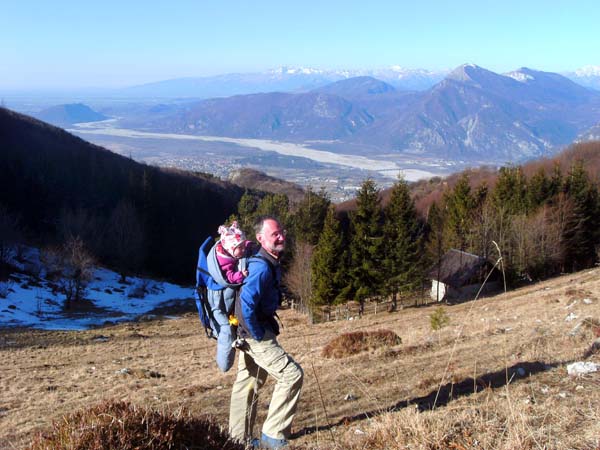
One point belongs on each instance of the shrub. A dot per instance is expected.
(592, 324)
(139, 289)
(5, 288)
(121, 425)
(359, 341)
(438, 319)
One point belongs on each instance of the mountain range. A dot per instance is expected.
(472, 114)
(298, 79)
(283, 79)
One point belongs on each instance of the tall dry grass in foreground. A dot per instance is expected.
(494, 377)
(120, 425)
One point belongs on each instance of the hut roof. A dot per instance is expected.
(457, 267)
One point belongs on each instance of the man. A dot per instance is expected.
(261, 353)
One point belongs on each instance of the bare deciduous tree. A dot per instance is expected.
(73, 266)
(298, 278)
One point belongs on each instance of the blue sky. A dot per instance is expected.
(66, 44)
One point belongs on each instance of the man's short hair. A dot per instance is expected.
(260, 222)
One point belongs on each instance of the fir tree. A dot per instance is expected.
(435, 238)
(555, 185)
(581, 232)
(459, 206)
(328, 259)
(277, 205)
(310, 215)
(539, 190)
(510, 193)
(402, 242)
(247, 212)
(366, 243)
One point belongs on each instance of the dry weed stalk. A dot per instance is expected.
(467, 317)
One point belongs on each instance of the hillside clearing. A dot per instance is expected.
(376, 399)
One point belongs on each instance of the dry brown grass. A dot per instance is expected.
(123, 426)
(494, 378)
(360, 341)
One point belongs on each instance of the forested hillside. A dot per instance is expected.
(137, 218)
(541, 218)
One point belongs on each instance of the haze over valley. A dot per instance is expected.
(334, 134)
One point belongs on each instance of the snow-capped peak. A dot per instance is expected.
(284, 70)
(519, 76)
(462, 74)
(588, 71)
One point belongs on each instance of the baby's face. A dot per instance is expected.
(238, 252)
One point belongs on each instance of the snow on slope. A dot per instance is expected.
(33, 301)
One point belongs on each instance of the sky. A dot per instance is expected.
(109, 43)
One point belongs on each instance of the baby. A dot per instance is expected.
(230, 249)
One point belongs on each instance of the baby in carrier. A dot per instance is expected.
(230, 249)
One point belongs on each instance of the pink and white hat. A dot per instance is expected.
(231, 236)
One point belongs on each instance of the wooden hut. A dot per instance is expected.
(459, 275)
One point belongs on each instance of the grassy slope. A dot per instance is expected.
(46, 374)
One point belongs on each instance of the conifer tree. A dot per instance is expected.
(328, 259)
(555, 185)
(510, 193)
(366, 242)
(581, 232)
(309, 217)
(538, 190)
(403, 242)
(435, 238)
(277, 205)
(459, 206)
(247, 212)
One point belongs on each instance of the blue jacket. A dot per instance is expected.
(260, 297)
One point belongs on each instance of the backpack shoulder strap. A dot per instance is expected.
(269, 264)
(273, 271)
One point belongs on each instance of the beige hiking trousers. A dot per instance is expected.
(259, 359)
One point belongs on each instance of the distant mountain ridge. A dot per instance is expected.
(283, 79)
(69, 114)
(472, 114)
(588, 76)
(302, 79)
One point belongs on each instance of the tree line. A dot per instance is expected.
(374, 251)
(544, 224)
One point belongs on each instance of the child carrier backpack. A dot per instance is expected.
(215, 300)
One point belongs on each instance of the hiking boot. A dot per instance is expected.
(272, 443)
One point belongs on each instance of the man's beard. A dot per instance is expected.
(276, 249)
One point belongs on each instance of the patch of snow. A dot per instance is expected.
(519, 76)
(582, 368)
(570, 317)
(35, 302)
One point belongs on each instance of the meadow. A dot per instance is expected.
(494, 377)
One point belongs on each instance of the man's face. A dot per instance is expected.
(272, 237)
